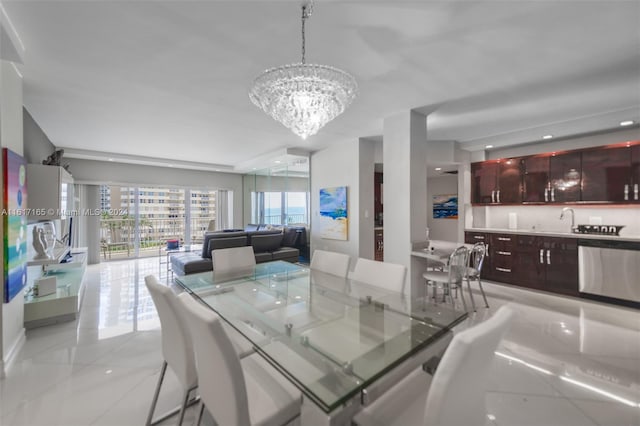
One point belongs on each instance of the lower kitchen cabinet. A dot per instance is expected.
(547, 263)
(481, 237)
(536, 262)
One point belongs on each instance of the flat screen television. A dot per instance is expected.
(67, 240)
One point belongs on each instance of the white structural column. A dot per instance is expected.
(405, 192)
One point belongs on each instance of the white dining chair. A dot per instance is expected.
(452, 277)
(330, 262)
(177, 348)
(233, 259)
(389, 276)
(234, 391)
(456, 395)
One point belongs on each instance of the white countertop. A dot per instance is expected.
(556, 234)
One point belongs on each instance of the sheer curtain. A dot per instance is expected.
(224, 215)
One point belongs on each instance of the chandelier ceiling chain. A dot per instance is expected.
(304, 97)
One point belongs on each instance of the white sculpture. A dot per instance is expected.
(40, 243)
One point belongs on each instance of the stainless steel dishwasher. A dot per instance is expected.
(609, 268)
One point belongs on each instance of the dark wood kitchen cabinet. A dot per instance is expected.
(611, 174)
(634, 185)
(379, 245)
(496, 182)
(532, 261)
(552, 178)
(547, 263)
(481, 237)
(502, 253)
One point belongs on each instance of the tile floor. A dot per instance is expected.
(564, 362)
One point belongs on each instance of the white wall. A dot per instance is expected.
(442, 229)
(11, 136)
(104, 172)
(338, 165)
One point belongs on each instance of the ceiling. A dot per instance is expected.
(169, 79)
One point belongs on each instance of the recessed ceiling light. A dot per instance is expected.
(110, 159)
(626, 123)
(489, 146)
(170, 165)
(277, 161)
(438, 169)
(547, 136)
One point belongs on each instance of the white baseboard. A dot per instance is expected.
(5, 363)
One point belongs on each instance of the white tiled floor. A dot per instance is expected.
(564, 362)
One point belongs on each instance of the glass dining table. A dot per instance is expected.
(341, 342)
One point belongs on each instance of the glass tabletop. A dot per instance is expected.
(331, 336)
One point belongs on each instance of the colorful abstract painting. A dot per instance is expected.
(14, 222)
(445, 206)
(334, 222)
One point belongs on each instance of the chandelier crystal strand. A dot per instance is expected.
(304, 97)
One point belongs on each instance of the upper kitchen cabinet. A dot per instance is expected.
(496, 182)
(608, 173)
(552, 178)
(634, 189)
(565, 177)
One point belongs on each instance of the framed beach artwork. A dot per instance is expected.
(334, 221)
(445, 206)
(14, 223)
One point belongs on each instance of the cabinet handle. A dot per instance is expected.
(493, 196)
(542, 256)
(553, 194)
(504, 239)
(478, 237)
(498, 195)
(626, 192)
(548, 257)
(503, 269)
(546, 194)
(504, 253)
(635, 191)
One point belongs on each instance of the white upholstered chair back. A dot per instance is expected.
(222, 385)
(389, 276)
(330, 262)
(232, 259)
(177, 347)
(457, 391)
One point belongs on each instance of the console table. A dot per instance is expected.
(64, 304)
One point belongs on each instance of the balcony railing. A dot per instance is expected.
(118, 235)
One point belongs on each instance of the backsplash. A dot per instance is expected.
(547, 218)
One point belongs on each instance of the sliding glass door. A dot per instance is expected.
(138, 221)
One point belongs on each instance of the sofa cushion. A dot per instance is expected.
(286, 253)
(222, 243)
(263, 257)
(265, 232)
(189, 263)
(251, 227)
(208, 236)
(262, 243)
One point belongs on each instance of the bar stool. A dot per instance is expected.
(476, 258)
(451, 277)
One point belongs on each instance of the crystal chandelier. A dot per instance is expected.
(304, 97)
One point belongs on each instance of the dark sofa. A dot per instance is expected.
(275, 244)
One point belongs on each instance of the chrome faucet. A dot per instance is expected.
(569, 209)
